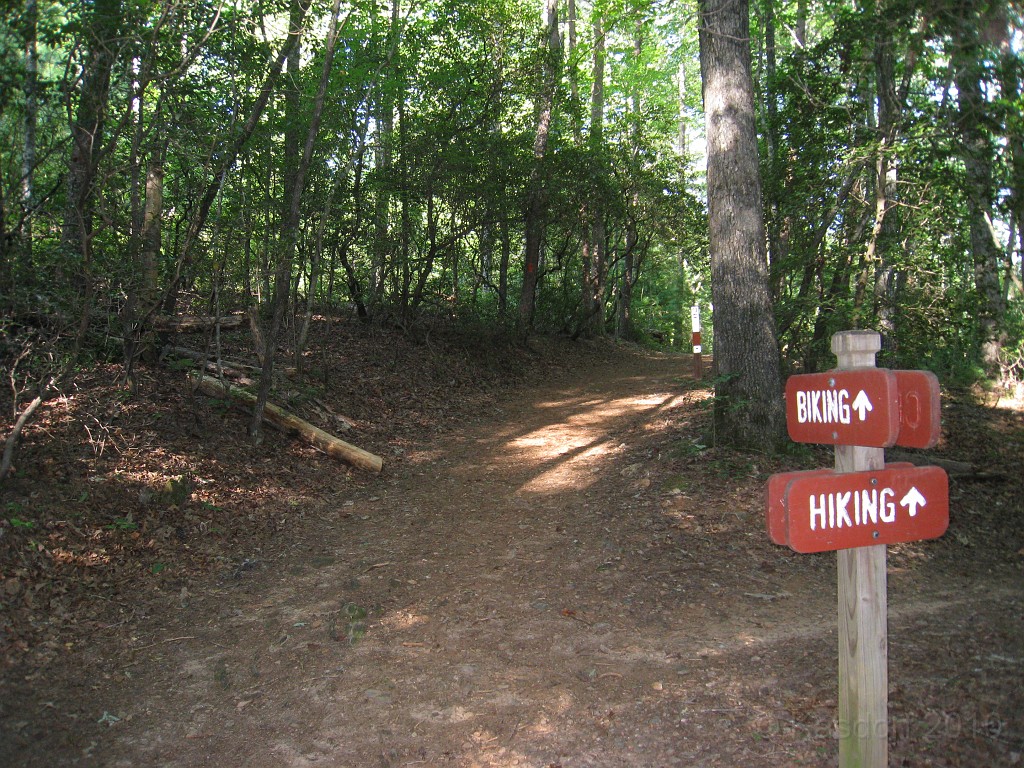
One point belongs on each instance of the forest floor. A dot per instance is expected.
(552, 570)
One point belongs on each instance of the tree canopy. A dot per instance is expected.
(502, 163)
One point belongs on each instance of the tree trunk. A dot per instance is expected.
(594, 255)
(315, 268)
(382, 244)
(143, 292)
(749, 408)
(288, 234)
(355, 290)
(293, 205)
(630, 263)
(506, 256)
(234, 147)
(87, 135)
(1010, 85)
(6, 267)
(30, 22)
(780, 224)
(536, 186)
(886, 231)
(574, 80)
(150, 235)
(624, 319)
(978, 156)
(384, 161)
(682, 145)
(407, 212)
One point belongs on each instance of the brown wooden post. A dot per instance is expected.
(863, 631)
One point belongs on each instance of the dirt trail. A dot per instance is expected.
(536, 589)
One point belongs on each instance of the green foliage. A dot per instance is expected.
(177, 491)
(124, 524)
(16, 517)
(1012, 360)
(415, 202)
(348, 624)
(821, 147)
(182, 364)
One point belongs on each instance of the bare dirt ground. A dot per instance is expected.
(552, 570)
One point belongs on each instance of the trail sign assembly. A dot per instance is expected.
(859, 507)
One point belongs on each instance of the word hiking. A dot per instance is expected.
(868, 507)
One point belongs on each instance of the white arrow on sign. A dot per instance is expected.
(862, 404)
(913, 500)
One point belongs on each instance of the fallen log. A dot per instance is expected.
(345, 421)
(194, 324)
(231, 368)
(233, 371)
(960, 469)
(289, 422)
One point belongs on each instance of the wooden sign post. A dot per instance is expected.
(857, 509)
(863, 604)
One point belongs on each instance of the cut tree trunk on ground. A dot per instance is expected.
(232, 371)
(231, 368)
(962, 470)
(289, 422)
(194, 324)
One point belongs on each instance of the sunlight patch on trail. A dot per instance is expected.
(568, 451)
(573, 474)
(403, 619)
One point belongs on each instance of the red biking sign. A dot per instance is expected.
(872, 407)
(859, 407)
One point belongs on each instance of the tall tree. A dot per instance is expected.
(222, 161)
(748, 391)
(978, 157)
(1010, 71)
(534, 224)
(294, 187)
(883, 243)
(594, 257)
(101, 31)
(384, 107)
(628, 278)
(30, 22)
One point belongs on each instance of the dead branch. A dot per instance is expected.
(291, 423)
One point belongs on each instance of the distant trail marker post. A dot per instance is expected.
(698, 367)
(857, 509)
